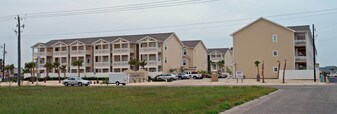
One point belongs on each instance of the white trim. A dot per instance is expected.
(76, 41)
(99, 41)
(120, 39)
(274, 69)
(146, 38)
(58, 43)
(274, 36)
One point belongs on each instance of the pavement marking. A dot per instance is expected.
(251, 104)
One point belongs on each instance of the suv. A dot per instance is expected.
(194, 75)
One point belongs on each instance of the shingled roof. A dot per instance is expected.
(222, 50)
(300, 28)
(191, 43)
(131, 38)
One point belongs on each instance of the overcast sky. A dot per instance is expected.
(214, 35)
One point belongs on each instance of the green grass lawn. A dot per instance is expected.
(121, 100)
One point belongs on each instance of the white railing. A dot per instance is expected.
(60, 53)
(78, 52)
(151, 63)
(121, 50)
(41, 65)
(120, 63)
(102, 51)
(300, 42)
(102, 64)
(216, 58)
(148, 49)
(301, 58)
(42, 54)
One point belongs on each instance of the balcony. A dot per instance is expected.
(102, 64)
(300, 58)
(149, 49)
(216, 58)
(60, 53)
(36, 54)
(41, 65)
(300, 42)
(120, 63)
(77, 52)
(102, 51)
(120, 50)
(151, 63)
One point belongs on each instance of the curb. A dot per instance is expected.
(251, 104)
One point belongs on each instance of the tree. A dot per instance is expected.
(77, 63)
(56, 65)
(258, 70)
(133, 62)
(49, 66)
(64, 70)
(10, 69)
(31, 67)
(171, 70)
(142, 63)
(221, 65)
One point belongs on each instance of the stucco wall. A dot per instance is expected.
(173, 54)
(200, 57)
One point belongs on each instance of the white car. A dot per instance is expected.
(194, 75)
(167, 76)
(75, 81)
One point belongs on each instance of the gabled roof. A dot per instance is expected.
(262, 18)
(39, 43)
(222, 50)
(191, 43)
(300, 28)
(131, 38)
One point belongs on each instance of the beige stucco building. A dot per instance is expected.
(161, 51)
(269, 42)
(194, 55)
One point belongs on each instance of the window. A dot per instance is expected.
(165, 46)
(274, 38)
(165, 60)
(275, 69)
(184, 62)
(185, 51)
(275, 53)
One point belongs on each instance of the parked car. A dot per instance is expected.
(206, 75)
(167, 76)
(75, 81)
(194, 75)
(183, 76)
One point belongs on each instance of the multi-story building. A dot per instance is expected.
(161, 51)
(217, 56)
(269, 42)
(194, 55)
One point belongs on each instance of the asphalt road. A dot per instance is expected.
(297, 100)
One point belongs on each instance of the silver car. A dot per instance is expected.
(167, 76)
(75, 81)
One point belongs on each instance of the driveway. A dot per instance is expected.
(294, 99)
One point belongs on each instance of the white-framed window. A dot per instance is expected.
(185, 51)
(274, 37)
(275, 53)
(165, 60)
(184, 62)
(275, 69)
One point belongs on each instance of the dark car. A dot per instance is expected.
(222, 75)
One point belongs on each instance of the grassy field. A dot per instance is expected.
(121, 100)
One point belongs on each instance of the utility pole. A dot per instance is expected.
(314, 49)
(3, 63)
(19, 48)
(284, 71)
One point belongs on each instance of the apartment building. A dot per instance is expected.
(194, 55)
(217, 55)
(269, 42)
(161, 51)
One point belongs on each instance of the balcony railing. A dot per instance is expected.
(152, 63)
(120, 63)
(301, 58)
(56, 53)
(120, 50)
(102, 64)
(216, 58)
(41, 65)
(300, 42)
(42, 54)
(148, 49)
(78, 52)
(102, 51)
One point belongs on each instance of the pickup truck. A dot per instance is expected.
(194, 75)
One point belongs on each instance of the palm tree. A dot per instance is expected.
(142, 63)
(133, 63)
(56, 65)
(64, 70)
(30, 66)
(48, 66)
(258, 71)
(77, 63)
